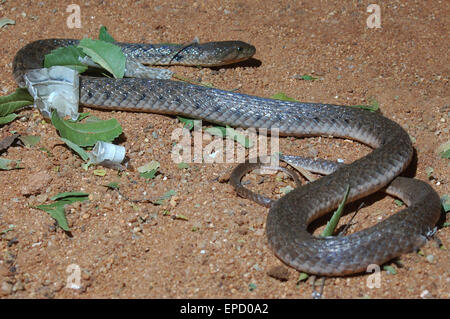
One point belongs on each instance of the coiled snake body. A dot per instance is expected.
(289, 216)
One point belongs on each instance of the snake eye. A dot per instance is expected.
(239, 49)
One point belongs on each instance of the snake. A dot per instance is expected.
(289, 216)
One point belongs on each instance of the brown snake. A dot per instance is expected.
(289, 216)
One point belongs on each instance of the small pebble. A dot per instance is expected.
(426, 294)
(6, 288)
(18, 286)
(228, 211)
(242, 230)
(280, 273)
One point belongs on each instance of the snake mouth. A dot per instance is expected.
(232, 61)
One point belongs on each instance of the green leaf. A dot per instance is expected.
(104, 35)
(302, 277)
(149, 175)
(113, 185)
(99, 172)
(149, 170)
(7, 164)
(82, 116)
(364, 107)
(92, 118)
(51, 206)
(87, 134)
(188, 123)
(444, 150)
(391, 270)
(183, 165)
(446, 154)
(108, 55)
(181, 217)
(66, 195)
(5, 21)
(374, 104)
(286, 189)
(398, 202)
(5, 231)
(445, 200)
(8, 118)
(29, 140)
(66, 56)
(148, 167)
(56, 209)
(372, 107)
(15, 101)
(307, 78)
(83, 154)
(332, 223)
(69, 200)
(59, 215)
(231, 133)
(282, 96)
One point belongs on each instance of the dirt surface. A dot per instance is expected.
(217, 247)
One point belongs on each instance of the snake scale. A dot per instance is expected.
(289, 216)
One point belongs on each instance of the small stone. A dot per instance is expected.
(242, 230)
(137, 229)
(41, 198)
(6, 288)
(240, 221)
(229, 212)
(280, 273)
(426, 294)
(87, 276)
(132, 219)
(18, 286)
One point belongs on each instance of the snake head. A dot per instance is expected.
(224, 52)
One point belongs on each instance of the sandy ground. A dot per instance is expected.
(126, 250)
